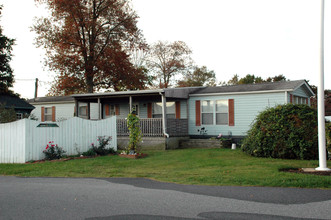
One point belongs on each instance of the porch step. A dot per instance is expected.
(199, 143)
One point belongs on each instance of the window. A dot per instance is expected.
(82, 110)
(157, 109)
(48, 114)
(207, 112)
(215, 112)
(19, 116)
(222, 108)
(299, 100)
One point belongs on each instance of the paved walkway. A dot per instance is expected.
(137, 198)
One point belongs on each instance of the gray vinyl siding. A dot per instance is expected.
(246, 108)
(300, 92)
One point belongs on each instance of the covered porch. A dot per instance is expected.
(162, 112)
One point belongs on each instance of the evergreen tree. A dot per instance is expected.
(6, 73)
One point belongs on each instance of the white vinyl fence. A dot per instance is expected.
(25, 140)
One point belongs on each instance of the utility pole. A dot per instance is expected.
(36, 88)
(320, 103)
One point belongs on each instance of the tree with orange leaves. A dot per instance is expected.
(88, 43)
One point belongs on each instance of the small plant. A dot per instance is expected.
(89, 153)
(53, 151)
(101, 148)
(224, 142)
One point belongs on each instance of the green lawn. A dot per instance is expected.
(189, 166)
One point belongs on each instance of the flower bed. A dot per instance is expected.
(133, 156)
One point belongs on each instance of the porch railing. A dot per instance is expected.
(152, 127)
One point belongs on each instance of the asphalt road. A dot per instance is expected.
(124, 198)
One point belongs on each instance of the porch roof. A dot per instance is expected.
(180, 93)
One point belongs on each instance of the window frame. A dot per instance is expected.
(48, 114)
(214, 111)
(169, 105)
(221, 112)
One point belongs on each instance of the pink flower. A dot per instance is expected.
(47, 147)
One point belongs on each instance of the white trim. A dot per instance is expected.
(239, 93)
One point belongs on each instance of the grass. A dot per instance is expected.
(189, 166)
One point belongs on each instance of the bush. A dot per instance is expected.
(328, 136)
(101, 149)
(89, 153)
(285, 131)
(53, 151)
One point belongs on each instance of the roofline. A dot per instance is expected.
(48, 102)
(133, 92)
(239, 93)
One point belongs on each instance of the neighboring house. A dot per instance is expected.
(21, 107)
(57, 108)
(194, 112)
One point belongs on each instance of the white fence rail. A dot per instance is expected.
(25, 139)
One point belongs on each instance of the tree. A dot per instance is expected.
(278, 78)
(7, 114)
(89, 42)
(168, 60)
(234, 80)
(6, 73)
(249, 79)
(201, 76)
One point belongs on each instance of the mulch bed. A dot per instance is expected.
(300, 170)
(134, 156)
(65, 159)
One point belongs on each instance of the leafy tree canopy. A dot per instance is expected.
(168, 60)
(88, 43)
(6, 73)
(200, 76)
(250, 79)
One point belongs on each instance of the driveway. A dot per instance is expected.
(138, 198)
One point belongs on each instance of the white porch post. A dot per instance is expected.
(99, 109)
(130, 103)
(164, 114)
(320, 104)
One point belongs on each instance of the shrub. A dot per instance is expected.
(53, 151)
(89, 153)
(328, 136)
(135, 135)
(285, 131)
(101, 149)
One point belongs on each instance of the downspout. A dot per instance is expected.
(286, 97)
(164, 114)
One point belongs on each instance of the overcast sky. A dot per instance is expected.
(260, 37)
